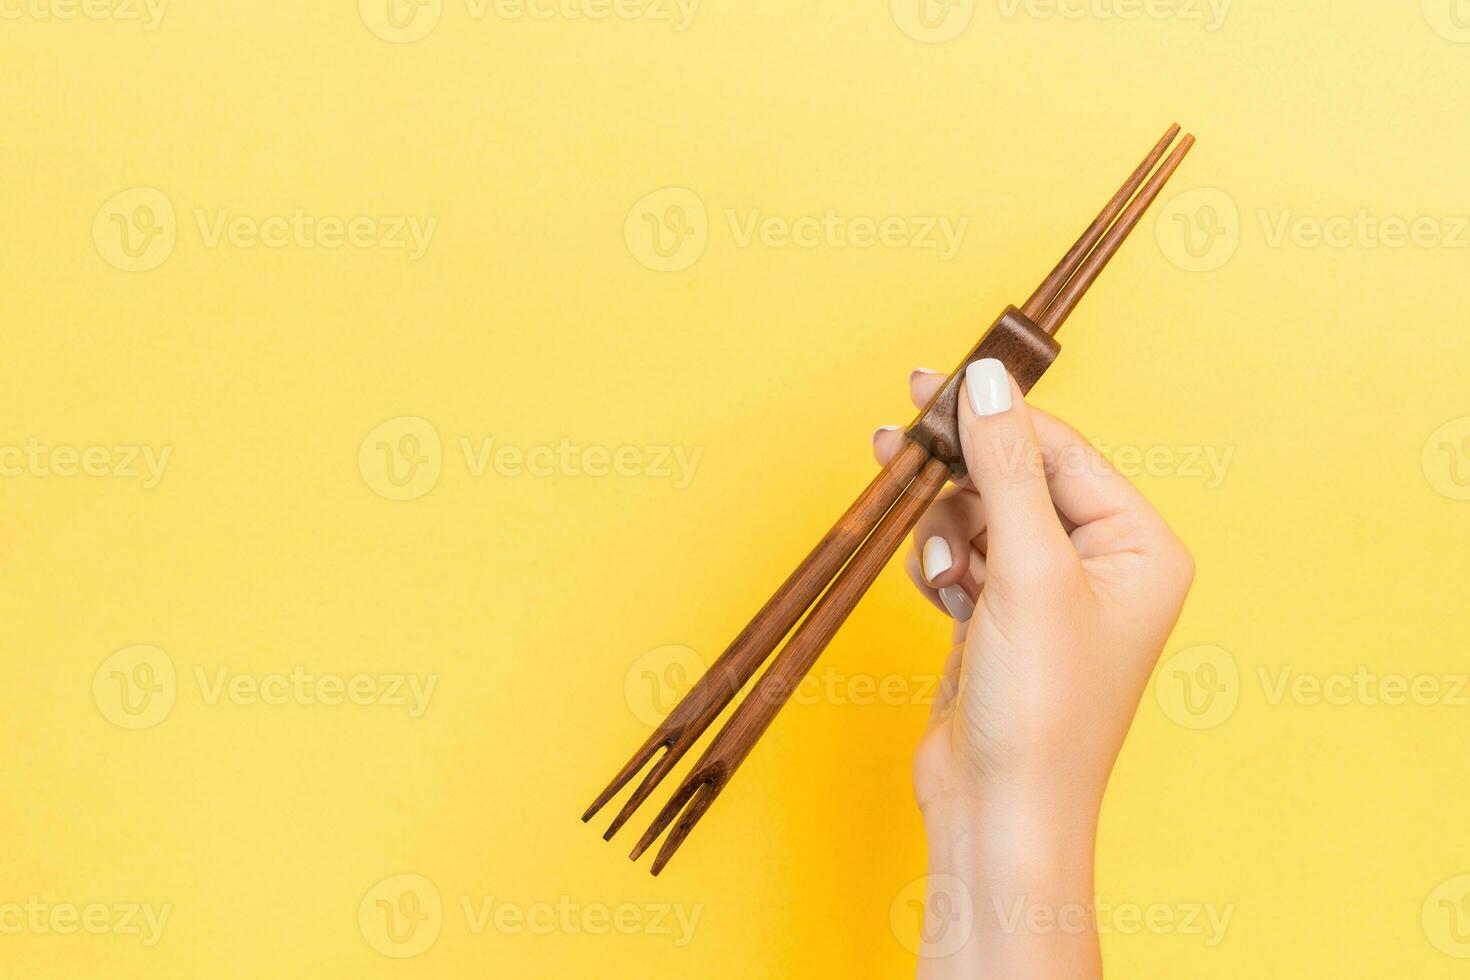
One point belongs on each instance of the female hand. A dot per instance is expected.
(1064, 583)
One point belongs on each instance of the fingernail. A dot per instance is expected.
(989, 388)
(937, 559)
(884, 428)
(957, 601)
(924, 371)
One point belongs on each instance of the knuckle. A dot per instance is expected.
(1184, 564)
(1176, 563)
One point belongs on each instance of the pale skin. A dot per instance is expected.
(1076, 582)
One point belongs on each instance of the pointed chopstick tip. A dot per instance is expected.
(697, 806)
(656, 742)
(1056, 280)
(650, 782)
(692, 785)
(642, 845)
(1066, 300)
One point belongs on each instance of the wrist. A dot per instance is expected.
(1020, 866)
(1013, 835)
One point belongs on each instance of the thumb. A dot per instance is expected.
(1022, 528)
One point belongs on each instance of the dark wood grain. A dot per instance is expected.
(755, 714)
(1024, 348)
(743, 657)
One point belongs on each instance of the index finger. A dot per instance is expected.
(1085, 487)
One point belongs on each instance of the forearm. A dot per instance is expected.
(1011, 888)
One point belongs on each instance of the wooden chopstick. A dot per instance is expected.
(1071, 294)
(738, 664)
(1057, 278)
(734, 742)
(863, 539)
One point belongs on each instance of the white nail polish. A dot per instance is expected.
(957, 602)
(937, 559)
(989, 388)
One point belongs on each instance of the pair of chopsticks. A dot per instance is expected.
(857, 547)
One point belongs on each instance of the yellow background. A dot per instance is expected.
(1334, 541)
